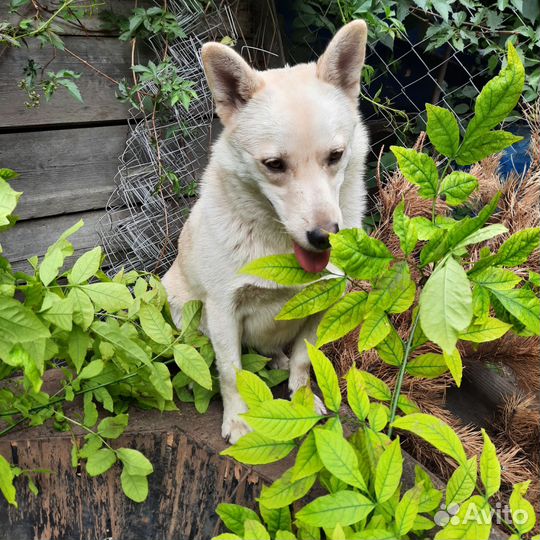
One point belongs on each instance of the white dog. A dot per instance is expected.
(287, 169)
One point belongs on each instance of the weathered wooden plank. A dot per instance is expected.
(190, 479)
(63, 171)
(32, 237)
(109, 55)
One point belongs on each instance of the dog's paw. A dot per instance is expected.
(234, 428)
(279, 361)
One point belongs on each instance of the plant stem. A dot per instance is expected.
(437, 194)
(48, 21)
(82, 426)
(401, 375)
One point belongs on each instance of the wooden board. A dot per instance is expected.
(32, 237)
(64, 171)
(190, 479)
(109, 55)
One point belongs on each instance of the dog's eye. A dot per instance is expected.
(274, 164)
(334, 156)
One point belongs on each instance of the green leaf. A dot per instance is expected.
(314, 298)
(343, 507)
(252, 389)
(113, 426)
(78, 344)
(393, 291)
(134, 486)
(55, 255)
(375, 388)
(378, 416)
(254, 362)
(338, 457)
(234, 516)
(373, 534)
(160, 378)
(83, 309)
(523, 304)
(359, 255)
(60, 313)
(154, 325)
(281, 420)
(405, 229)
(462, 483)
(135, 463)
(85, 267)
(446, 305)
(523, 514)
(285, 490)
(374, 329)
(496, 279)
(419, 169)
(481, 303)
(483, 234)
(8, 201)
(192, 364)
(356, 394)
(498, 97)
(256, 449)
(488, 330)
(277, 519)
(326, 377)
(407, 510)
(72, 88)
(282, 269)
(254, 530)
(443, 130)
(435, 432)
(518, 248)
(476, 148)
(444, 241)
(18, 324)
(100, 462)
(110, 297)
(457, 187)
(455, 365)
(427, 366)
(120, 341)
(307, 460)
(191, 316)
(490, 468)
(92, 369)
(342, 318)
(6, 482)
(388, 472)
(391, 349)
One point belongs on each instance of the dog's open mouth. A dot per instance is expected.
(311, 261)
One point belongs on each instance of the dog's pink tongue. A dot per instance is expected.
(311, 261)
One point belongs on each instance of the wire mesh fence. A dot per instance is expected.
(164, 158)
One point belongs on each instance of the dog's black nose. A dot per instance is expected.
(319, 237)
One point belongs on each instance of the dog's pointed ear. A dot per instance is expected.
(341, 64)
(231, 80)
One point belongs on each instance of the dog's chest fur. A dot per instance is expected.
(257, 308)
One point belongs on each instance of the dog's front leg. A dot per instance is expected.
(300, 364)
(225, 332)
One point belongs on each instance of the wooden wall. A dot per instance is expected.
(66, 152)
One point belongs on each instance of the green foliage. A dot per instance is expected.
(114, 341)
(361, 469)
